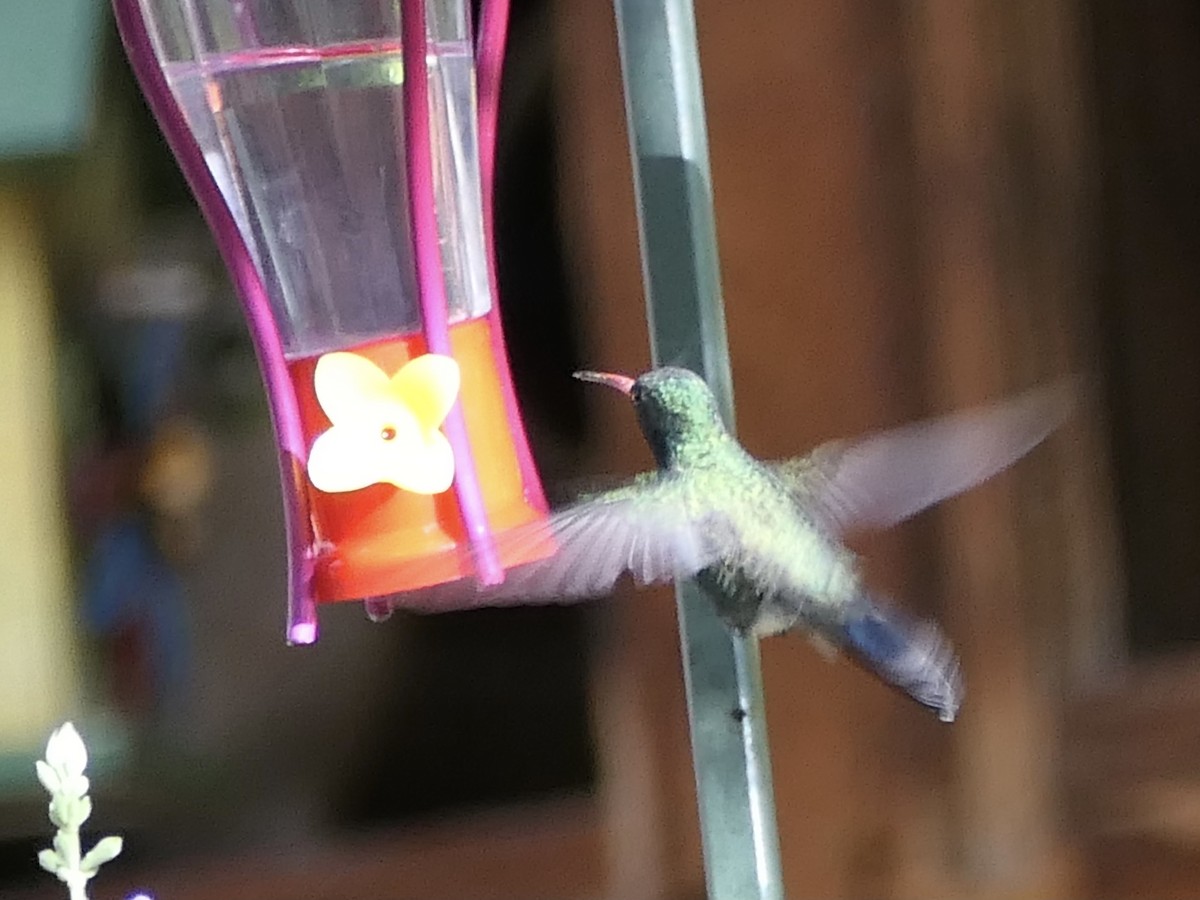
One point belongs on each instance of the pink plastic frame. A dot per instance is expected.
(293, 451)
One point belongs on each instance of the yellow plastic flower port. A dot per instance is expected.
(385, 430)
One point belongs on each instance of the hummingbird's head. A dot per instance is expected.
(675, 408)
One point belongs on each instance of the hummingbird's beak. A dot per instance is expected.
(622, 383)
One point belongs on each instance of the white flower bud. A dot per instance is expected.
(65, 751)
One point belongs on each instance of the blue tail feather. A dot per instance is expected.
(912, 656)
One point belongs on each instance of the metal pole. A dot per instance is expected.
(665, 109)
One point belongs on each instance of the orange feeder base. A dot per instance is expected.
(383, 540)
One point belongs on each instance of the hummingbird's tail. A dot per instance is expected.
(914, 657)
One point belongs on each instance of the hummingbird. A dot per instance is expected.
(765, 539)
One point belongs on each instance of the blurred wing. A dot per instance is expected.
(883, 479)
(644, 529)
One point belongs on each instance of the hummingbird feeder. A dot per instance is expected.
(344, 164)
